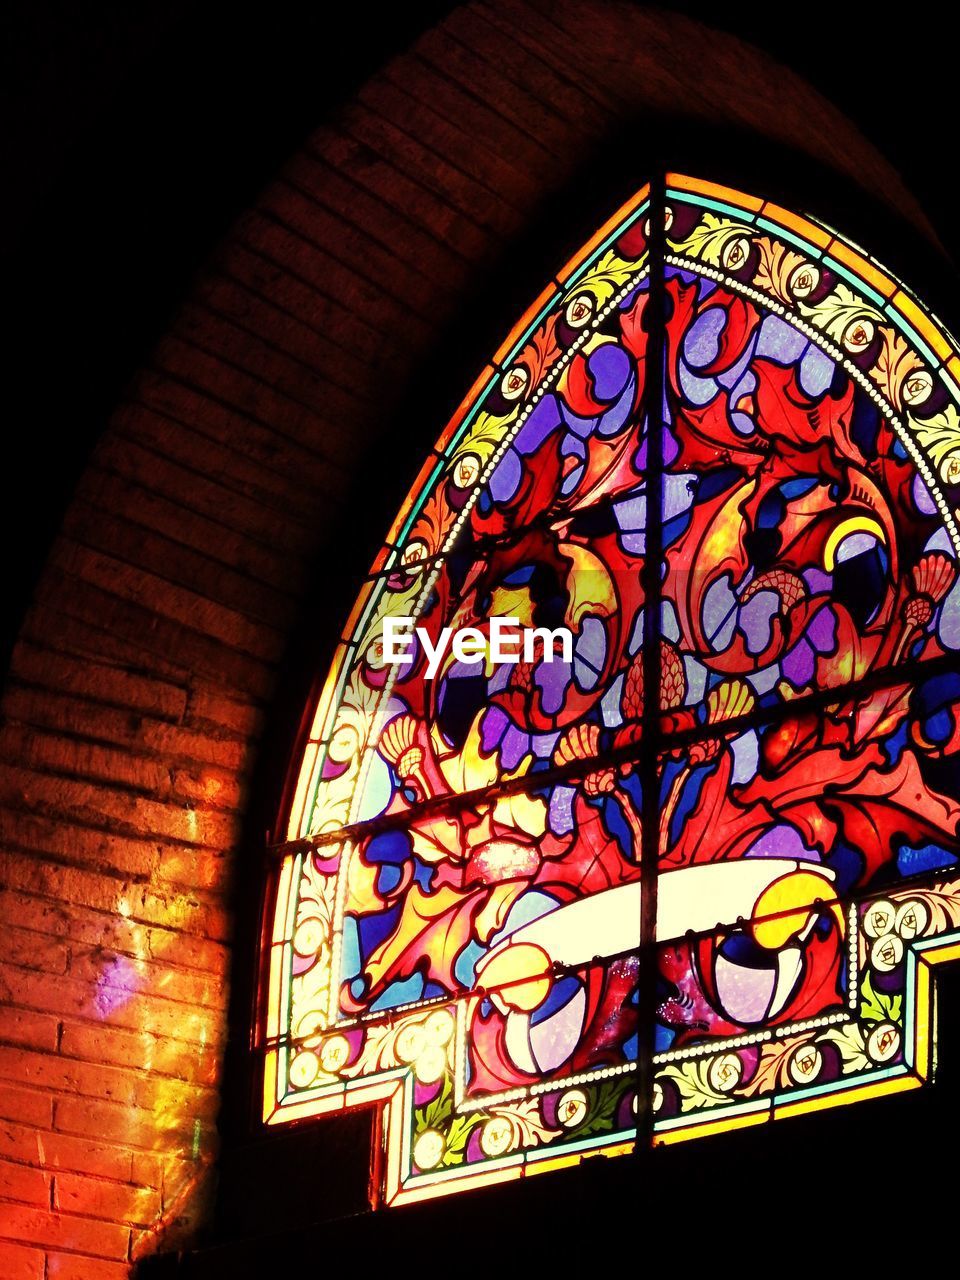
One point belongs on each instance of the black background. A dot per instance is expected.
(133, 135)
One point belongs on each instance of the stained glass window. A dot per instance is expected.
(535, 913)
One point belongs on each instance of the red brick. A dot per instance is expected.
(207, 571)
(392, 267)
(44, 870)
(275, 333)
(196, 1064)
(284, 500)
(129, 1087)
(18, 1263)
(195, 953)
(49, 627)
(236, 493)
(107, 999)
(168, 1131)
(522, 107)
(79, 924)
(182, 743)
(94, 803)
(473, 29)
(63, 1231)
(271, 268)
(388, 222)
(110, 492)
(22, 1183)
(114, 1201)
(304, 365)
(32, 950)
(23, 1027)
(251, 396)
(512, 19)
(187, 912)
(208, 787)
(500, 143)
(103, 682)
(70, 1266)
(37, 873)
(340, 298)
(179, 604)
(194, 869)
(147, 1170)
(26, 1106)
(436, 151)
(161, 978)
(388, 159)
(349, 274)
(183, 763)
(62, 754)
(59, 1150)
(131, 627)
(209, 706)
(151, 774)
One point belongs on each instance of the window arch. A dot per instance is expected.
(535, 915)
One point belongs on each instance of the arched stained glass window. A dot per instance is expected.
(536, 913)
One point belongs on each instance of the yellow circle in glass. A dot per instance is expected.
(334, 1053)
(572, 1108)
(803, 280)
(410, 1042)
(917, 387)
(310, 1022)
(805, 1064)
(374, 654)
(428, 1149)
(883, 1042)
(725, 1072)
(304, 1069)
(886, 953)
(430, 1065)
(466, 470)
(879, 918)
(579, 310)
(912, 919)
(496, 1136)
(308, 937)
(657, 1096)
(414, 552)
(514, 382)
(439, 1026)
(858, 335)
(735, 253)
(343, 744)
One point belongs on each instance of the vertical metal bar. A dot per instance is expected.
(653, 409)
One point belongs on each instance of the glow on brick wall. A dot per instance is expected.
(724, 456)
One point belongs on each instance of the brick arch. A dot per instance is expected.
(144, 670)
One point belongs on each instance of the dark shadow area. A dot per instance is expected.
(135, 135)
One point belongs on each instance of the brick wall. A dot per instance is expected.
(141, 679)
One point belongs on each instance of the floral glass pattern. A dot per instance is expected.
(455, 922)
